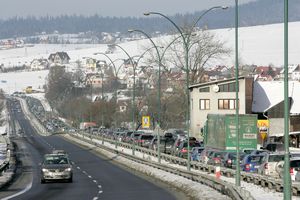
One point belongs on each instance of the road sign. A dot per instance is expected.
(146, 122)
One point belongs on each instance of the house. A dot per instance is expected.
(265, 73)
(91, 63)
(39, 64)
(293, 73)
(268, 99)
(264, 98)
(95, 80)
(59, 58)
(218, 97)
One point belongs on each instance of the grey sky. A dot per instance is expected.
(123, 8)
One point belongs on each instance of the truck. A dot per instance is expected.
(220, 132)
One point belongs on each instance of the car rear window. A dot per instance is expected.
(295, 163)
(276, 158)
(146, 137)
(255, 159)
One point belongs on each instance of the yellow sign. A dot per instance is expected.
(263, 135)
(146, 122)
(263, 123)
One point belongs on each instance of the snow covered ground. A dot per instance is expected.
(260, 45)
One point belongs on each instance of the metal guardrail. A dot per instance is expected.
(217, 184)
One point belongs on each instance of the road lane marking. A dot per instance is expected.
(19, 193)
(89, 176)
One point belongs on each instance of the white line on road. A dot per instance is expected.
(19, 193)
(100, 192)
(89, 176)
(95, 181)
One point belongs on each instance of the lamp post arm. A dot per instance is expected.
(208, 10)
(175, 25)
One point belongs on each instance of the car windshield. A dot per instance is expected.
(56, 159)
(255, 159)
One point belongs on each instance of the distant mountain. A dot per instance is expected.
(254, 13)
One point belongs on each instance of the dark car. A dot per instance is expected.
(183, 148)
(195, 153)
(56, 167)
(229, 159)
(216, 157)
(153, 143)
(144, 140)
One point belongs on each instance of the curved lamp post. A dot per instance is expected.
(186, 41)
(287, 177)
(116, 71)
(158, 90)
(133, 93)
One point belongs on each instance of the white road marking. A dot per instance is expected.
(19, 193)
(100, 192)
(95, 198)
(99, 186)
(95, 181)
(78, 167)
(89, 176)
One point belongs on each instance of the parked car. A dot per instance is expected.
(174, 133)
(153, 144)
(195, 153)
(56, 166)
(127, 136)
(175, 147)
(294, 168)
(229, 159)
(269, 162)
(183, 148)
(144, 140)
(251, 163)
(134, 137)
(216, 157)
(169, 142)
(204, 156)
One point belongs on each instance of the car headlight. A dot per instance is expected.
(68, 169)
(44, 170)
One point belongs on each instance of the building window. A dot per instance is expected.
(226, 104)
(205, 89)
(204, 104)
(229, 87)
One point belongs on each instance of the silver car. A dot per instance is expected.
(56, 167)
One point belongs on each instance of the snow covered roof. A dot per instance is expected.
(267, 94)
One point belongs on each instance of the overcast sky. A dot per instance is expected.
(119, 8)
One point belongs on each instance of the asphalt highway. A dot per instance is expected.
(94, 177)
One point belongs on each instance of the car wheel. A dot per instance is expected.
(70, 180)
(43, 181)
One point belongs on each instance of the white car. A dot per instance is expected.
(294, 168)
(270, 164)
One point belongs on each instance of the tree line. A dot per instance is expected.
(254, 13)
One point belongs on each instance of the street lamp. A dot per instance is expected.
(287, 176)
(158, 90)
(237, 132)
(186, 41)
(133, 93)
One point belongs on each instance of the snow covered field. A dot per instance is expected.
(260, 45)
